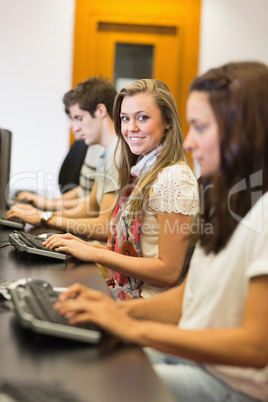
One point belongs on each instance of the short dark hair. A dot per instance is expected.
(89, 94)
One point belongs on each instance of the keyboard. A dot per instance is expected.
(33, 244)
(11, 391)
(14, 223)
(34, 306)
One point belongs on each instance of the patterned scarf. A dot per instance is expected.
(124, 237)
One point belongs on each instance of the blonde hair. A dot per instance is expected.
(172, 152)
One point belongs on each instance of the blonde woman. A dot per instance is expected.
(159, 196)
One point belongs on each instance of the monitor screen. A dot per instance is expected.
(5, 155)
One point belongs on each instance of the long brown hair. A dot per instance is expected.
(238, 95)
(172, 139)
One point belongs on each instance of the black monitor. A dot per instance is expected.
(5, 157)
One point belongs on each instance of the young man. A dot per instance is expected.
(89, 106)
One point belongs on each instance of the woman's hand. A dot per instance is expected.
(80, 304)
(67, 236)
(71, 244)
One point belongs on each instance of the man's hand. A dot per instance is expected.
(26, 213)
(29, 197)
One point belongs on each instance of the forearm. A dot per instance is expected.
(70, 199)
(244, 345)
(234, 346)
(76, 192)
(165, 268)
(98, 245)
(67, 200)
(153, 270)
(74, 208)
(88, 228)
(69, 206)
(158, 308)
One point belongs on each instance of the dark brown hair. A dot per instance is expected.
(89, 94)
(238, 96)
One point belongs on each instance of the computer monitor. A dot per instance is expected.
(5, 157)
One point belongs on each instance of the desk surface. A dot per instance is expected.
(104, 373)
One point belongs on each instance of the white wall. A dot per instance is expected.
(233, 30)
(36, 48)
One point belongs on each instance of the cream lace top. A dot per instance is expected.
(175, 190)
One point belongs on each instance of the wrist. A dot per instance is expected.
(97, 254)
(45, 217)
(48, 204)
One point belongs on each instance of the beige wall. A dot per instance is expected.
(233, 30)
(36, 48)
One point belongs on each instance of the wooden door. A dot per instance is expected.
(170, 29)
(163, 40)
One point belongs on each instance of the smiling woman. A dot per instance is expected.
(159, 196)
(142, 125)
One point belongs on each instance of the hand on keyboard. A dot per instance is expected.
(34, 302)
(25, 212)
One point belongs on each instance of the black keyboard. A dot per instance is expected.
(35, 392)
(31, 240)
(33, 244)
(34, 304)
(39, 298)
